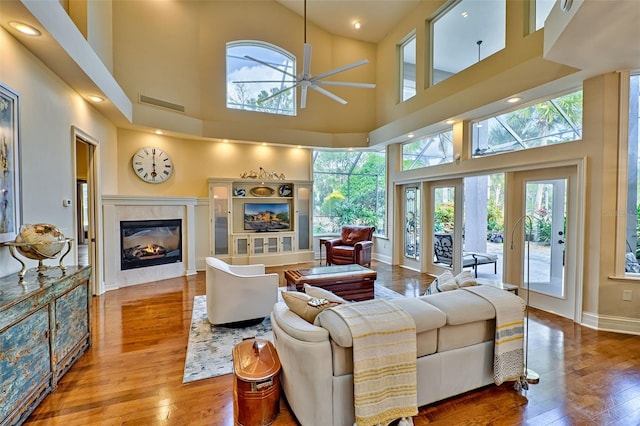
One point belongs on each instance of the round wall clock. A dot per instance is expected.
(152, 165)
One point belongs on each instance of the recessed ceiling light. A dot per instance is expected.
(450, 121)
(158, 132)
(513, 100)
(264, 144)
(25, 29)
(225, 140)
(410, 135)
(95, 98)
(357, 25)
(465, 14)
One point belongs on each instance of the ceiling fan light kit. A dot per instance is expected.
(305, 80)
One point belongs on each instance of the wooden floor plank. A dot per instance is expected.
(132, 374)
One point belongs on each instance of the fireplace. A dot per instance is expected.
(150, 242)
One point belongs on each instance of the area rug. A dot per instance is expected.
(209, 347)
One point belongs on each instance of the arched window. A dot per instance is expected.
(256, 71)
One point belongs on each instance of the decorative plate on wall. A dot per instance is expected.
(262, 191)
(285, 190)
(239, 192)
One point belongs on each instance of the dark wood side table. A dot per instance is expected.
(321, 241)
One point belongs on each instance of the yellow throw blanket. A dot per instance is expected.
(508, 356)
(384, 361)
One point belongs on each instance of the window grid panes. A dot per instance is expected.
(349, 187)
(252, 85)
(408, 68)
(428, 151)
(550, 122)
(465, 34)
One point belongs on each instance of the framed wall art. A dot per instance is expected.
(9, 165)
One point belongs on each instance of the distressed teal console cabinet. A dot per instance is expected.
(45, 326)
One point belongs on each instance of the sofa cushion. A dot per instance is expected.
(465, 279)
(425, 316)
(305, 306)
(461, 306)
(297, 327)
(322, 293)
(443, 282)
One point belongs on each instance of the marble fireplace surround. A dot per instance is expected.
(119, 208)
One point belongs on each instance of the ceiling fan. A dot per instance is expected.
(305, 80)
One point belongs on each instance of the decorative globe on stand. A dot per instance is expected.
(39, 242)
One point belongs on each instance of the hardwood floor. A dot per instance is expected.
(132, 374)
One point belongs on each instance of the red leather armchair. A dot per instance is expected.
(354, 246)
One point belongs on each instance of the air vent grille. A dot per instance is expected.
(160, 103)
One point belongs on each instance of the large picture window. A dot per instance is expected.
(253, 86)
(349, 187)
(465, 34)
(550, 122)
(632, 264)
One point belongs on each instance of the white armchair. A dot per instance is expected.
(238, 293)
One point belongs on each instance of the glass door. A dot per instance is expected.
(546, 205)
(445, 226)
(412, 223)
(540, 235)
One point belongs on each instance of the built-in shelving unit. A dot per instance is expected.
(259, 221)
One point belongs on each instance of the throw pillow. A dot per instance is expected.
(322, 293)
(465, 279)
(305, 306)
(443, 282)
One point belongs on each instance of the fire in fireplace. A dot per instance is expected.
(150, 242)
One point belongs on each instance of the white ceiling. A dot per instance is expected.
(337, 16)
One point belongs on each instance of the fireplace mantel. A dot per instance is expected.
(117, 208)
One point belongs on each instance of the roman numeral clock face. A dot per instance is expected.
(152, 165)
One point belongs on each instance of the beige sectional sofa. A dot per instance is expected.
(455, 344)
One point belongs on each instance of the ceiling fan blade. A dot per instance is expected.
(306, 64)
(279, 92)
(346, 83)
(270, 66)
(339, 69)
(328, 93)
(303, 97)
(266, 81)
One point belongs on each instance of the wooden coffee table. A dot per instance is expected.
(351, 282)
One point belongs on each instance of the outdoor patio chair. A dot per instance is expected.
(443, 249)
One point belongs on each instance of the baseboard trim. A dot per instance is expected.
(611, 323)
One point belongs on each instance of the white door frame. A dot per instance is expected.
(571, 307)
(95, 212)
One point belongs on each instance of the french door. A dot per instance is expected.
(542, 240)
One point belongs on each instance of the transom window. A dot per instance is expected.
(466, 33)
(254, 86)
(428, 151)
(550, 122)
(349, 188)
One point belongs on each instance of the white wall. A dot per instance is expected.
(48, 110)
